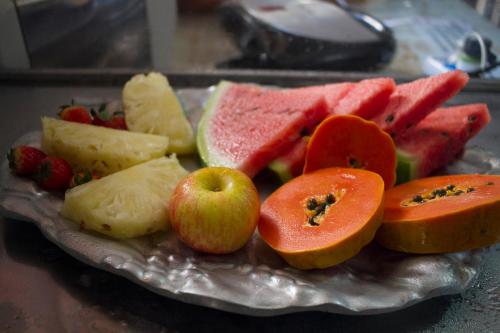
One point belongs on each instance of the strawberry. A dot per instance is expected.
(103, 118)
(75, 113)
(24, 160)
(117, 122)
(53, 173)
(82, 177)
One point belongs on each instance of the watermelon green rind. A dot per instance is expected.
(281, 169)
(211, 158)
(406, 168)
(246, 127)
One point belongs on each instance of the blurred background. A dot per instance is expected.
(413, 37)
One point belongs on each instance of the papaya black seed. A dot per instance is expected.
(321, 208)
(418, 198)
(459, 192)
(470, 189)
(330, 199)
(389, 118)
(312, 204)
(450, 187)
(312, 222)
(440, 192)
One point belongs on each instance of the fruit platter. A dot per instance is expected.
(356, 197)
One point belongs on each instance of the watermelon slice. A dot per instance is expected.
(364, 99)
(333, 93)
(438, 139)
(411, 102)
(291, 163)
(246, 127)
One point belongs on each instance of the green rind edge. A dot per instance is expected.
(209, 110)
(407, 167)
(281, 169)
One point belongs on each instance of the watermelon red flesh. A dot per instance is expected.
(438, 139)
(412, 102)
(366, 99)
(246, 126)
(291, 163)
(333, 93)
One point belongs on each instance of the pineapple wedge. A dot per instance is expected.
(99, 149)
(150, 106)
(126, 204)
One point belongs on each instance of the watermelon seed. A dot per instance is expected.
(389, 118)
(472, 118)
(445, 134)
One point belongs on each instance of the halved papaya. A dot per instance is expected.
(442, 214)
(350, 141)
(323, 218)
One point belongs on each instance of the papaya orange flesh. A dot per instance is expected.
(322, 218)
(352, 142)
(442, 214)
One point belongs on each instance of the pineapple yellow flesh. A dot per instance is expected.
(126, 204)
(99, 149)
(151, 106)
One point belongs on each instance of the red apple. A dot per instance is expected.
(215, 210)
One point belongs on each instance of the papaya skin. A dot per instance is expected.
(344, 229)
(449, 224)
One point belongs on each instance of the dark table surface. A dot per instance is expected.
(43, 289)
